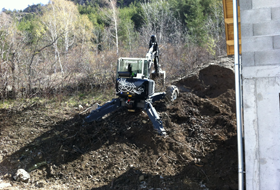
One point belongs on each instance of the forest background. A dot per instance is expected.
(66, 47)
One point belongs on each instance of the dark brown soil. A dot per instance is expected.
(122, 151)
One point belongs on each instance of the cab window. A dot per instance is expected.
(136, 65)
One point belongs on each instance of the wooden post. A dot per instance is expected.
(228, 17)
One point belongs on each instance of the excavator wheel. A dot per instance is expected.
(172, 92)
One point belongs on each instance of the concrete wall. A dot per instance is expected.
(260, 34)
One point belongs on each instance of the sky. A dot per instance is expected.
(19, 4)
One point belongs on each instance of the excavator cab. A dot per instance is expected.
(137, 68)
(132, 81)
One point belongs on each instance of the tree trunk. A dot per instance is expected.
(113, 5)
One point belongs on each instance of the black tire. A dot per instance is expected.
(172, 93)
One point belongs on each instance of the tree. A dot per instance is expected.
(193, 14)
(160, 20)
(114, 18)
(8, 51)
(195, 21)
(127, 32)
(4, 25)
(60, 17)
(84, 32)
(215, 26)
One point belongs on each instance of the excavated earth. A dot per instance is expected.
(122, 151)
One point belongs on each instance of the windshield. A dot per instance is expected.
(136, 65)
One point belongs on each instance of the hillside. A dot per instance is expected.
(103, 3)
(122, 151)
(86, 39)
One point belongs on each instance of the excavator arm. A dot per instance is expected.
(153, 53)
(153, 58)
(153, 115)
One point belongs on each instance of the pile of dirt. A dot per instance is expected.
(122, 151)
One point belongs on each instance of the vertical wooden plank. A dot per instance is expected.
(228, 14)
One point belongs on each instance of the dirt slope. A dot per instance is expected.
(122, 151)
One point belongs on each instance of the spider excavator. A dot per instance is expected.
(136, 89)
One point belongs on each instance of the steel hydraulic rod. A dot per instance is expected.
(238, 97)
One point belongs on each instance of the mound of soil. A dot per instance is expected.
(209, 81)
(122, 151)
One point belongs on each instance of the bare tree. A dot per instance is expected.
(159, 19)
(4, 25)
(113, 16)
(10, 55)
(36, 50)
(85, 34)
(60, 18)
(214, 25)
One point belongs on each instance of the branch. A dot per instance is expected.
(48, 45)
(38, 51)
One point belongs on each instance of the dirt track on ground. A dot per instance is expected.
(122, 151)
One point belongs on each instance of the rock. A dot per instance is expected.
(52, 171)
(39, 154)
(22, 175)
(94, 107)
(143, 185)
(40, 184)
(7, 176)
(141, 178)
(13, 161)
(80, 107)
(4, 185)
(144, 121)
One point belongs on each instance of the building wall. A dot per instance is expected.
(260, 34)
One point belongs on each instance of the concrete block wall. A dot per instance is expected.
(260, 35)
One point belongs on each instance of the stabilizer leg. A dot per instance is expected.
(153, 115)
(157, 96)
(103, 110)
